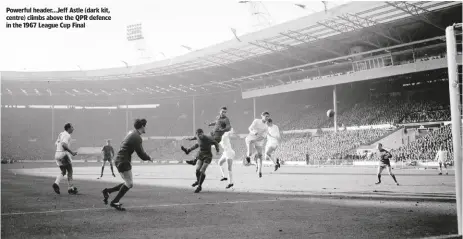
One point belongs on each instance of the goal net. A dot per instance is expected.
(454, 55)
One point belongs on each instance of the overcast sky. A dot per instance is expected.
(166, 26)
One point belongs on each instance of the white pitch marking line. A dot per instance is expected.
(145, 206)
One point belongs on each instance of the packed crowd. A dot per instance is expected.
(320, 147)
(326, 145)
(425, 148)
(29, 133)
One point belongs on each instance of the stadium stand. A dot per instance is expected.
(414, 98)
(29, 134)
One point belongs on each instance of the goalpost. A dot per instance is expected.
(453, 40)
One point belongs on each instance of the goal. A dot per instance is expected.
(453, 41)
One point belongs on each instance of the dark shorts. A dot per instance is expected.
(206, 157)
(384, 165)
(217, 137)
(123, 166)
(107, 159)
(66, 168)
(65, 160)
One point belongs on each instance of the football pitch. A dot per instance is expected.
(294, 202)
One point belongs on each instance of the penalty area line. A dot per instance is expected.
(144, 206)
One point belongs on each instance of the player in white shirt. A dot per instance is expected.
(63, 158)
(273, 141)
(256, 139)
(441, 158)
(227, 156)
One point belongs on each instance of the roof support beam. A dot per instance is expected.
(343, 28)
(363, 23)
(300, 37)
(286, 46)
(221, 64)
(274, 48)
(207, 72)
(248, 59)
(415, 11)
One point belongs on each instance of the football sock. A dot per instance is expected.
(115, 189)
(122, 192)
(202, 177)
(198, 174)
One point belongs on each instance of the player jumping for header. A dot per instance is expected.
(204, 157)
(108, 154)
(256, 139)
(384, 162)
(218, 131)
(63, 159)
(132, 142)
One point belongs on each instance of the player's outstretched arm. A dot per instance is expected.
(190, 138)
(141, 152)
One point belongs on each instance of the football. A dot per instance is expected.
(330, 113)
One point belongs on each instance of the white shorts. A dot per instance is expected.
(228, 154)
(271, 144)
(61, 160)
(255, 140)
(259, 143)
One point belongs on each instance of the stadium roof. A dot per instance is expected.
(306, 40)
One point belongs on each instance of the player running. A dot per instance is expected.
(204, 157)
(63, 159)
(384, 157)
(441, 158)
(132, 142)
(218, 131)
(108, 154)
(227, 156)
(256, 139)
(273, 141)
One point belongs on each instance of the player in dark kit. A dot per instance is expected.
(132, 142)
(108, 154)
(204, 157)
(384, 162)
(218, 131)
